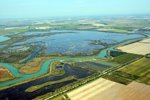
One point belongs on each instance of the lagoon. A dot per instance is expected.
(75, 41)
(4, 38)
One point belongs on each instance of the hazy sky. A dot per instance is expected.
(48, 8)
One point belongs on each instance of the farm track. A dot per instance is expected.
(105, 72)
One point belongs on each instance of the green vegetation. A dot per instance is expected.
(34, 88)
(140, 68)
(93, 66)
(56, 68)
(67, 88)
(124, 58)
(96, 65)
(34, 66)
(13, 30)
(14, 57)
(121, 77)
(128, 24)
(117, 79)
(136, 71)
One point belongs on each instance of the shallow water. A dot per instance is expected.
(74, 42)
(4, 38)
(2, 46)
(62, 41)
(44, 69)
(18, 92)
(79, 40)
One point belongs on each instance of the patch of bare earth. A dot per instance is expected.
(103, 89)
(5, 75)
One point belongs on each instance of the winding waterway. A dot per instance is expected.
(45, 67)
(19, 91)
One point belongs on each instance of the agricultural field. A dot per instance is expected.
(49, 58)
(135, 71)
(108, 90)
(140, 68)
(122, 57)
(96, 65)
(141, 47)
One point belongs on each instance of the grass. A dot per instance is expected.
(116, 78)
(67, 87)
(124, 58)
(97, 65)
(14, 57)
(139, 68)
(54, 71)
(14, 30)
(92, 66)
(36, 87)
(34, 66)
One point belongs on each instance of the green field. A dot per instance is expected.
(124, 58)
(139, 68)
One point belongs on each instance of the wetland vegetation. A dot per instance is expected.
(45, 60)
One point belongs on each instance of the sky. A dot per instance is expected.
(52, 8)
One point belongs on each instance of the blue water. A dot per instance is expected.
(78, 42)
(2, 46)
(36, 33)
(3, 38)
(33, 54)
(74, 42)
